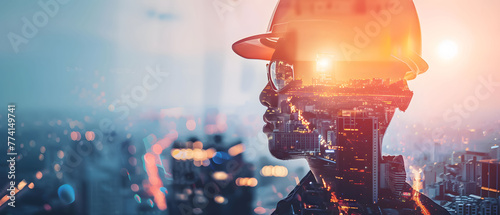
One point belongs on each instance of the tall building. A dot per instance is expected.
(358, 158)
(470, 171)
(490, 180)
(393, 174)
(495, 152)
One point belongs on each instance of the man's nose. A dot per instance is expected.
(268, 97)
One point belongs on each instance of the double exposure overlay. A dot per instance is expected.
(249, 107)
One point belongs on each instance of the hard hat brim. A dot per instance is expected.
(261, 46)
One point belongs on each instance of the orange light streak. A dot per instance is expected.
(417, 185)
(154, 181)
(301, 118)
(20, 187)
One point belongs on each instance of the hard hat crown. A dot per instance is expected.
(354, 31)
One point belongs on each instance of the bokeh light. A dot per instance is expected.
(66, 194)
(137, 198)
(47, 207)
(157, 149)
(90, 135)
(448, 49)
(60, 154)
(75, 136)
(57, 167)
(39, 175)
(274, 171)
(134, 187)
(191, 125)
(220, 176)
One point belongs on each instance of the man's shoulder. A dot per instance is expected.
(292, 202)
(299, 196)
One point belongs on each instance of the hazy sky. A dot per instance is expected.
(111, 43)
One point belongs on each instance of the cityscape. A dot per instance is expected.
(224, 170)
(281, 107)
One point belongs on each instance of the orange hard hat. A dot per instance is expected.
(383, 35)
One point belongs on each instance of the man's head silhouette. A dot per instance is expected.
(337, 71)
(318, 49)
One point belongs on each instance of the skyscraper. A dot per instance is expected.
(490, 184)
(358, 158)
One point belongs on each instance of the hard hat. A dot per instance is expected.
(382, 36)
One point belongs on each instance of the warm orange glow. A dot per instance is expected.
(236, 150)
(4, 199)
(333, 198)
(219, 199)
(31, 185)
(90, 135)
(157, 149)
(418, 185)
(220, 176)
(259, 210)
(252, 182)
(394, 42)
(324, 62)
(21, 185)
(60, 154)
(274, 171)
(16, 190)
(246, 182)
(301, 118)
(190, 154)
(57, 167)
(199, 155)
(75, 136)
(266, 171)
(211, 153)
(175, 153)
(241, 181)
(39, 175)
(154, 182)
(490, 189)
(198, 145)
(191, 125)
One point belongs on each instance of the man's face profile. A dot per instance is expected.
(337, 71)
(307, 92)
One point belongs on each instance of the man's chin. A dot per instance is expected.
(267, 129)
